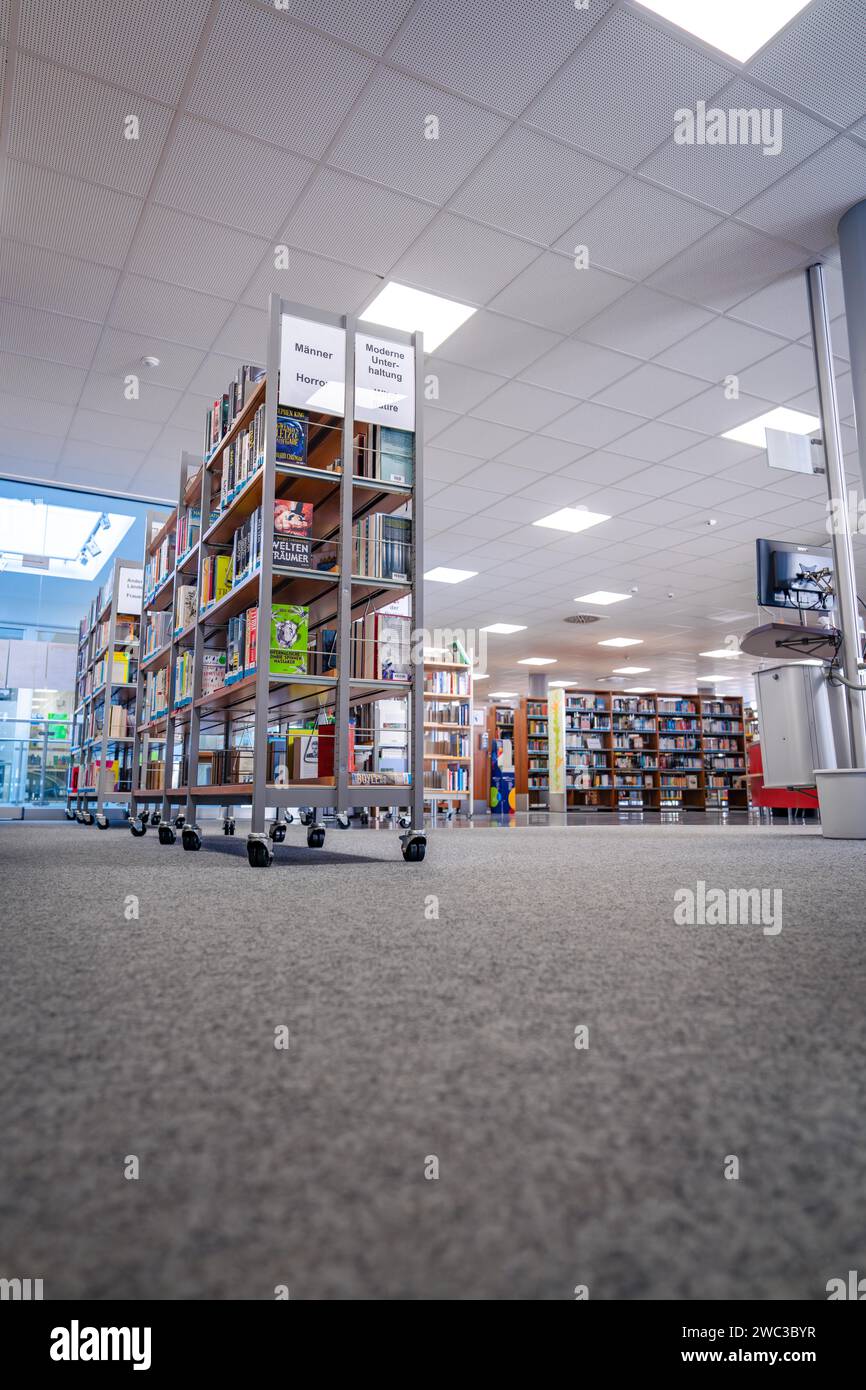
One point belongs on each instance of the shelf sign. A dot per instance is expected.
(384, 382)
(312, 365)
(129, 590)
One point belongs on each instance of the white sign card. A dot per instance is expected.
(312, 365)
(384, 382)
(129, 590)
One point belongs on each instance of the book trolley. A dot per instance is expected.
(302, 669)
(101, 756)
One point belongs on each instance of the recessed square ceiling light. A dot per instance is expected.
(638, 690)
(572, 519)
(601, 596)
(621, 642)
(631, 670)
(791, 421)
(736, 27)
(715, 679)
(399, 306)
(537, 661)
(722, 653)
(504, 628)
(443, 575)
(503, 694)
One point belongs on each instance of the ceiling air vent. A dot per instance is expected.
(583, 618)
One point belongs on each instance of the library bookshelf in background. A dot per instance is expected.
(298, 531)
(100, 768)
(448, 740)
(656, 751)
(532, 754)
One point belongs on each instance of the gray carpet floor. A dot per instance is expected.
(411, 1037)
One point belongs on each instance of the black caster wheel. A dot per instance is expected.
(449, 815)
(138, 827)
(86, 817)
(315, 837)
(156, 819)
(228, 826)
(414, 847)
(145, 817)
(190, 837)
(277, 832)
(179, 821)
(79, 816)
(102, 822)
(404, 822)
(306, 817)
(289, 818)
(363, 818)
(70, 815)
(167, 835)
(260, 854)
(342, 820)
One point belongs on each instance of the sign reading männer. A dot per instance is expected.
(312, 365)
(384, 382)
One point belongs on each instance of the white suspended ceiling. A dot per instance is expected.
(304, 125)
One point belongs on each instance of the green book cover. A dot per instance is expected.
(288, 639)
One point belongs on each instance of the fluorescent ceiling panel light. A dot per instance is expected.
(505, 628)
(537, 661)
(714, 679)
(722, 653)
(503, 694)
(57, 542)
(621, 642)
(603, 596)
(443, 575)
(736, 27)
(572, 519)
(413, 311)
(631, 670)
(791, 421)
(563, 682)
(638, 690)
(482, 676)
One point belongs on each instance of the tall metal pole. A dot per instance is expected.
(843, 553)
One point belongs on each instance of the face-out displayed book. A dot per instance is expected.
(293, 526)
(289, 639)
(291, 436)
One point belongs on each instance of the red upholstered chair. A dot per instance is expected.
(770, 798)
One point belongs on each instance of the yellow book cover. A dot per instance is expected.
(223, 576)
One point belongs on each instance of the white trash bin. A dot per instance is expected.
(842, 798)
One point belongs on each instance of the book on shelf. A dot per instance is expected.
(246, 548)
(289, 636)
(213, 672)
(385, 453)
(291, 437)
(183, 669)
(184, 606)
(159, 565)
(293, 526)
(380, 779)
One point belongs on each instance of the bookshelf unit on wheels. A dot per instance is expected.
(311, 468)
(653, 751)
(168, 633)
(101, 753)
(448, 756)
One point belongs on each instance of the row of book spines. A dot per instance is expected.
(449, 714)
(159, 565)
(453, 745)
(241, 459)
(381, 547)
(446, 683)
(157, 631)
(451, 779)
(188, 530)
(226, 408)
(242, 645)
(124, 669)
